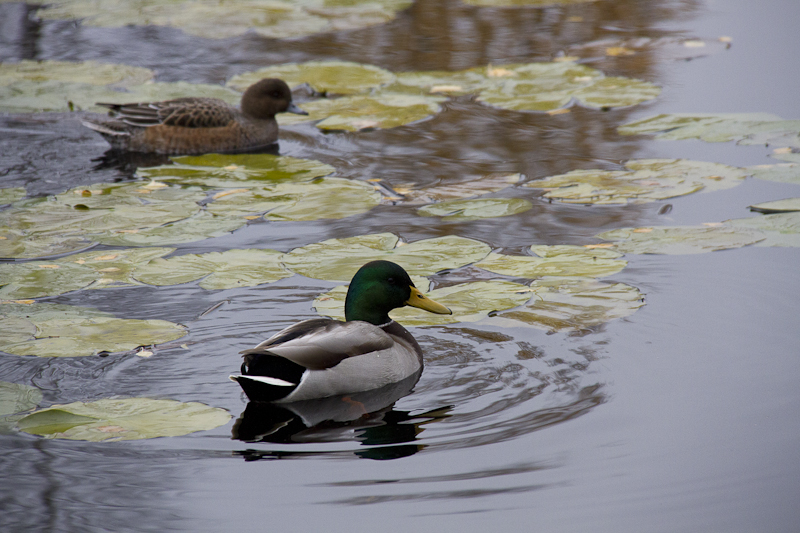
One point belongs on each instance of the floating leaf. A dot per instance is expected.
(469, 302)
(221, 270)
(203, 225)
(744, 128)
(15, 398)
(54, 330)
(476, 208)
(311, 200)
(662, 48)
(477, 186)
(339, 259)
(676, 240)
(19, 245)
(469, 81)
(11, 195)
(564, 304)
(219, 20)
(236, 170)
(95, 269)
(327, 77)
(778, 206)
(782, 229)
(783, 173)
(555, 261)
(86, 72)
(645, 181)
(123, 419)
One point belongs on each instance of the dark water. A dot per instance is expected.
(682, 417)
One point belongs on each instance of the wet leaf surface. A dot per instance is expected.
(477, 186)
(560, 260)
(780, 229)
(783, 173)
(679, 240)
(464, 210)
(55, 330)
(95, 269)
(21, 245)
(326, 77)
(778, 206)
(16, 398)
(339, 259)
(646, 180)
(122, 419)
(219, 270)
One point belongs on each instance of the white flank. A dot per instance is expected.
(264, 379)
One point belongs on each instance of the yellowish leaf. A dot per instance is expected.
(226, 193)
(619, 51)
(561, 111)
(446, 88)
(643, 230)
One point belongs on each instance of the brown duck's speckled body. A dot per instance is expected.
(199, 125)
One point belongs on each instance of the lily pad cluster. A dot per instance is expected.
(55, 330)
(174, 210)
(33, 86)
(645, 180)
(219, 20)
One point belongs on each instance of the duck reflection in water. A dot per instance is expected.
(367, 417)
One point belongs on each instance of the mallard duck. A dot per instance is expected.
(323, 357)
(199, 125)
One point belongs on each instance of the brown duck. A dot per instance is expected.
(199, 125)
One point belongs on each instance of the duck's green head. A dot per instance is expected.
(380, 286)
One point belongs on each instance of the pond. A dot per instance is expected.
(573, 178)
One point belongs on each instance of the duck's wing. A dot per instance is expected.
(323, 343)
(183, 112)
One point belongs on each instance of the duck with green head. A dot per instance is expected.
(324, 357)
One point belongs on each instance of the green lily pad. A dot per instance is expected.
(677, 240)
(220, 270)
(19, 245)
(778, 206)
(646, 180)
(236, 170)
(354, 113)
(477, 186)
(744, 128)
(783, 173)
(781, 229)
(561, 260)
(572, 304)
(123, 419)
(316, 199)
(469, 302)
(54, 330)
(276, 19)
(339, 259)
(327, 77)
(548, 86)
(442, 82)
(95, 269)
(11, 195)
(85, 72)
(198, 227)
(15, 398)
(476, 208)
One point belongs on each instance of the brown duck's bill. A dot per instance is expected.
(296, 110)
(417, 299)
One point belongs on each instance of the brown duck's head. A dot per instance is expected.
(268, 97)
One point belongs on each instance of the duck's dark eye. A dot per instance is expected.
(392, 281)
(276, 94)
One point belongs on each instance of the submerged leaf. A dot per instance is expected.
(339, 259)
(783, 173)
(477, 186)
(469, 302)
(676, 240)
(781, 229)
(645, 181)
(327, 77)
(221, 270)
(11, 195)
(555, 261)
(123, 419)
(476, 208)
(15, 398)
(18, 244)
(54, 330)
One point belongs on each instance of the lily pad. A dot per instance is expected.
(310, 200)
(54, 330)
(677, 240)
(11, 195)
(477, 186)
(95, 269)
(20, 245)
(476, 208)
(783, 173)
(339, 259)
(276, 19)
(744, 128)
(572, 304)
(236, 170)
(15, 398)
(781, 229)
(777, 206)
(469, 302)
(220, 270)
(327, 77)
(123, 419)
(561, 260)
(662, 48)
(646, 180)
(86, 72)
(198, 227)
(354, 113)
